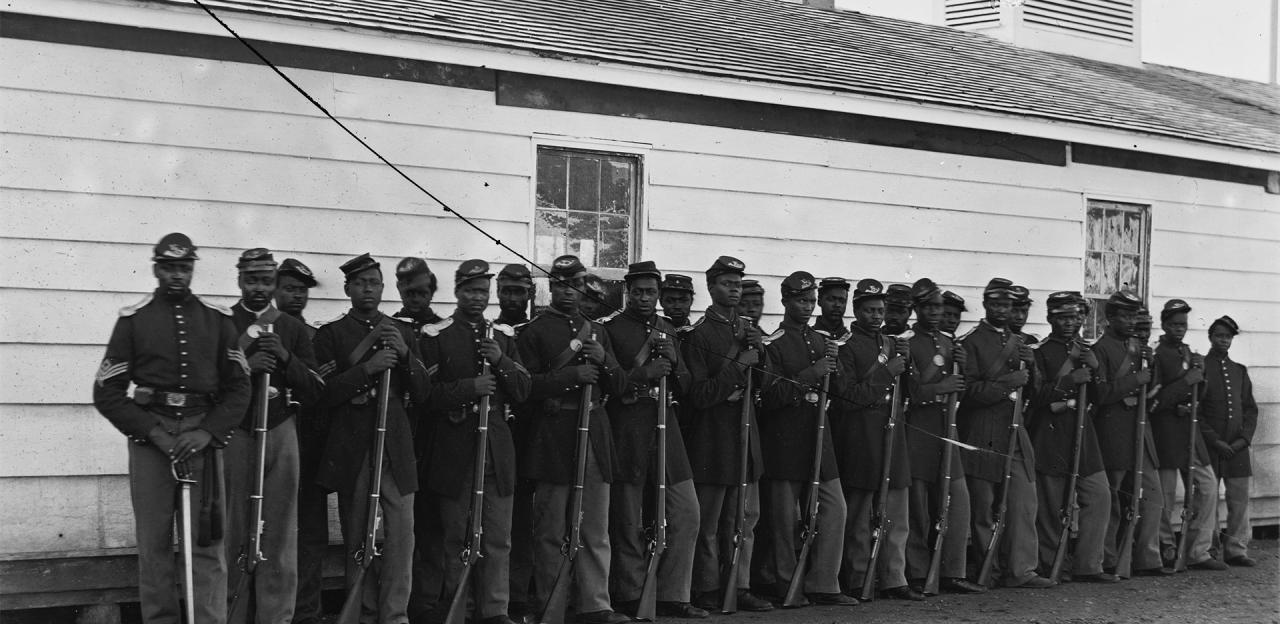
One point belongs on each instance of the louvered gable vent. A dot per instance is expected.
(1111, 19)
(1104, 30)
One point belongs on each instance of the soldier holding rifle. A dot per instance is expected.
(1228, 424)
(871, 363)
(570, 358)
(262, 542)
(1001, 471)
(939, 496)
(354, 351)
(1068, 462)
(455, 351)
(644, 344)
(192, 388)
(720, 351)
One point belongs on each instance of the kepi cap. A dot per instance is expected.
(828, 283)
(1227, 322)
(256, 259)
(868, 289)
(362, 262)
(1063, 302)
(798, 283)
(299, 271)
(924, 290)
(471, 269)
(898, 295)
(1172, 307)
(174, 247)
(515, 275)
(1124, 300)
(676, 281)
(409, 268)
(1021, 296)
(567, 267)
(726, 264)
(646, 268)
(752, 287)
(998, 288)
(951, 299)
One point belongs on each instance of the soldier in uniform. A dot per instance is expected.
(515, 291)
(644, 344)
(751, 302)
(1019, 313)
(1063, 363)
(833, 297)
(720, 350)
(564, 351)
(897, 309)
(801, 362)
(353, 351)
(1228, 421)
(996, 369)
(871, 362)
(1177, 372)
(677, 299)
(279, 345)
(192, 388)
(952, 307)
(417, 286)
(294, 281)
(453, 350)
(593, 305)
(932, 384)
(1116, 385)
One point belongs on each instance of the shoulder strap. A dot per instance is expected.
(1010, 346)
(882, 358)
(1068, 364)
(361, 349)
(575, 345)
(270, 316)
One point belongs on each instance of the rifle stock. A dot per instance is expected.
(1189, 497)
(729, 577)
(251, 554)
(933, 578)
(471, 552)
(1069, 503)
(648, 605)
(795, 588)
(553, 612)
(1133, 511)
(364, 557)
(997, 531)
(881, 528)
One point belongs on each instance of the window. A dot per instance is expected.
(588, 205)
(1116, 255)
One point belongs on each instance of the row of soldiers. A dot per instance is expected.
(822, 463)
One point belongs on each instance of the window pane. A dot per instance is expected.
(584, 183)
(1095, 278)
(1095, 228)
(595, 195)
(552, 167)
(616, 187)
(549, 233)
(1128, 272)
(1110, 270)
(615, 241)
(1114, 233)
(1132, 233)
(583, 234)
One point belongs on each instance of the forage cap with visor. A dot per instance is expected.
(471, 269)
(752, 287)
(1124, 300)
(724, 265)
(646, 268)
(354, 266)
(1063, 302)
(1227, 322)
(827, 283)
(567, 267)
(1021, 296)
(998, 288)
(298, 270)
(1172, 307)
(175, 247)
(255, 260)
(898, 295)
(868, 289)
(951, 299)
(924, 290)
(798, 283)
(515, 275)
(676, 281)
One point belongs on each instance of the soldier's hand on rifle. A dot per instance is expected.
(393, 340)
(657, 368)
(1197, 361)
(593, 351)
(749, 357)
(1146, 352)
(664, 349)
(485, 385)
(959, 356)
(951, 383)
(896, 365)
(902, 346)
(586, 373)
(1224, 449)
(1081, 376)
(1017, 379)
(1144, 376)
(754, 337)
(189, 443)
(1026, 355)
(1194, 376)
(162, 439)
(272, 344)
(1090, 359)
(381, 360)
(832, 349)
(1238, 445)
(262, 362)
(489, 350)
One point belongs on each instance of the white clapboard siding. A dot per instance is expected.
(53, 514)
(84, 443)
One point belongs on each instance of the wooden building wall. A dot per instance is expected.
(104, 151)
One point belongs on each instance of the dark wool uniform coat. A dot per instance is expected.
(858, 421)
(353, 408)
(555, 398)
(1170, 418)
(1114, 395)
(834, 331)
(421, 426)
(788, 420)
(1054, 434)
(712, 429)
(295, 375)
(931, 360)
(1228, 413)
(190, 347)
(986, 412)
(450, 351)
(633, 414)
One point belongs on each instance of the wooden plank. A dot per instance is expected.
(69, 574)
(60, 440)
(1156, 187)
(1181, 250)
(848, 222)
(67, 599)
(1192, 281)
(1220, 221)
(58, 513)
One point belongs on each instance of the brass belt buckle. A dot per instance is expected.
(175, 399)
(653, 393)
(811, 397)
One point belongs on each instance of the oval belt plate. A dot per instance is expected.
(938, 360)
(1185, 366)
(575, 344)
(1013, 396)
(811, 396)
(882, 358)
(253, 331)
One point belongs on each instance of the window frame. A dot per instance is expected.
(1146, 209)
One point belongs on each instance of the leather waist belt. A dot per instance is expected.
(150, 396)
(567, 404)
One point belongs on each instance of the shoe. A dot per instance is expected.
(1210, 564)
(603, 617)
(961, 586)
(1242, 561)
(801, 601)
(681, 610)
(1101, 577)
(748, 601)
(1160, 571)
(1035, 582)
(709, 601)
(627, 607)
(833, 600)
(903, 593)
(916, 584)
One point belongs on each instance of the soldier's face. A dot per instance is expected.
(869, 313)
(514, 298)
(1220, 339)
(1123, 322)
(998, 311)
(473, 296)
(1018, 316)
(833, 302)
(257, 288)
(565, 294)
(676, 304)
(642, 296)
(174, 277)
(930, 312)
(416, 294)
(365, 290)
(799, 308)
(950, 319)
(1176, 326)
(725, 289)
(751, 306)
(896, 318)
(291, 294)
(1064, 326)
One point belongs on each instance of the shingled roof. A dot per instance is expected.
(771, 41)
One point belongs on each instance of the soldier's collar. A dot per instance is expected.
(716, 316)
